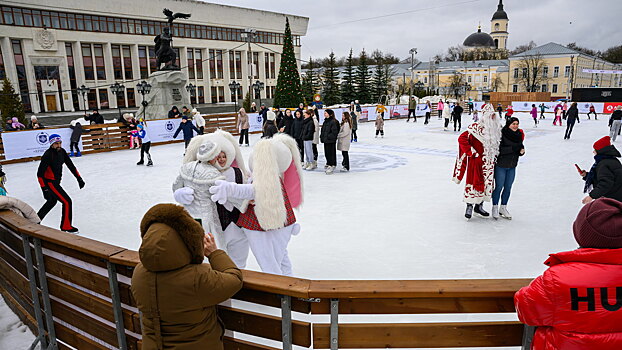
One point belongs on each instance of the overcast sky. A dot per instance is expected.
(432, 26)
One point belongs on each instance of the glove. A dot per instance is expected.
(184, 195)
(81, 183)
(47, 193)
(222, 190)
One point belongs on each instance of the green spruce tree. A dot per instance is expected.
(288, 92)
(11, 104)
(331, 82)
(247, 102)
(362, 80)
(379, 85)
(310, 84)
(348, 94)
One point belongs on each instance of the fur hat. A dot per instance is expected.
(271, 115)
(599, 224)
(602, 143)
(273, 160)
(33, 117)
(128, 116)
(226, 143)
(207, 151)
(195, 111)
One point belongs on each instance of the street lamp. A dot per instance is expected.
(412, 52)
(191, 88)
(83, 90)
(234, 86)
(118, 90)
(143, 88)
(258, 86)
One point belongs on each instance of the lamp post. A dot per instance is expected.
(83, 90)
(234, 86)
(118, 90)
(249, 34)
(191, 88)
(143, 88)
(258, 86)
(413, 52)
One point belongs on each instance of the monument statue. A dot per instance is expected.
(163, 42)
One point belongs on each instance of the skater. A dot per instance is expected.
(428, 112)
(615, 121)
(446, 114)
(510, 149)
(49, 174)
(243, 125)
(74, 139)
(457, 116)
(576, 302)
(479, 147)
(328, 136)
(199, 121)
(297, 133)
(380, 109)
(145, 146)
(572, 116)
(509, 112)
(543, 107)
(470, 104)
(355, 121)
(186, 126)
(534, 115)
(308, 131)
(475, 116)
(171, 277)
(499, 109)
(605, 176)
(558, 116)
(269, 127)
(379, 126)
(287, 123)
(592, 111)
(412, 109)
(343, 140)
(316, 137)
(263, 113)
(130, 122)
(440, 107)
(564, 109)
(268, 221)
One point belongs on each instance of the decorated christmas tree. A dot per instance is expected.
(288, 92)
(10, 104)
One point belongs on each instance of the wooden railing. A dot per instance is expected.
(82, 299)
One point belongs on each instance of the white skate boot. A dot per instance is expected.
(503, 211)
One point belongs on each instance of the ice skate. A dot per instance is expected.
(73, 230)
(330, 170)
(495, 212)
(312, 165)
(479, 210)
(344, 170)
(376, 137)
(469, 211)
(306, 165)
(71, 154)
(78, 154)
(503, 211)
(140, 162)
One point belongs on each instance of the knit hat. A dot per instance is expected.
(140, 125)
(55, 138)
(207, 151)
(602, 143)
(271, 116)
(599, 224)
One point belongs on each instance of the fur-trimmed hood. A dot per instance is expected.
(225, 142)
(171, 238)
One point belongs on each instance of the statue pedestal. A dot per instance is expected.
(168, 89)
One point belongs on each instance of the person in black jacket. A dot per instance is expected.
(74, 140)
(297, 133)
(572, 116)
(186, 126)
(49, 174)
(328, 136)
(456, 115)
(174, 113)
(95, 117)
(269, 127)
(286, 123)
(605, 176)
(308, 130)
(510, 149)
(263, 113)
(615, 121)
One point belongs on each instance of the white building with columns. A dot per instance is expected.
(50, 49)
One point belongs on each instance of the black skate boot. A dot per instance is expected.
(469, 211)
(140, 162)
(149, 162)
(479, 210)
(72, 230)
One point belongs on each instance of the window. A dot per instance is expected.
(131, 97)
(554, 89)
(198, 57)
(238, 64)
(515, 72)
(555, 72)
(153, 60)
(22, 78)
(255, 65)
(121, 100)
(544, 88)
(272, 66)
(87, 62)
(190, 53)
(267, 66)
(219, 65)
(3, 71)
(469, 79)
(214, 94)
(116, 62)
(514, 88)
(231, 65)
(127, 62)
(201, 94)
(545, 72)
(496, 27)
(524, 72)
(103, 99)
(425, 80)
(142, 62)
(212, 66)
(567, 71)
(485, 78)
(221, 94)
(98, 51)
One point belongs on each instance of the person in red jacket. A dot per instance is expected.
(577, 303)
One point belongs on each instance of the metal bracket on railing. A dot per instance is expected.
(49, 320)
(116, 305)
(334, 324)
(286, 321)
(528, 333)
(32, 280)
(311, 300)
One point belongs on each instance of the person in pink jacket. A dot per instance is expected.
(534, 114)
(439, 109)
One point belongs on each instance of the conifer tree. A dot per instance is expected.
(362, 80)
(11, 104)
(310, 84)
(347, 87)
(288, 92)
(331, 82)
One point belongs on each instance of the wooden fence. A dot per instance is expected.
(82, 300)
(114, 136)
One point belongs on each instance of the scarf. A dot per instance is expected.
(513, 136)
(589, 178)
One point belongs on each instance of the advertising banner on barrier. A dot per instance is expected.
(255, 121)
(422, 109)
(401, 110)
(32, 143)
(611, 106)
(584, 107)
(162, 130)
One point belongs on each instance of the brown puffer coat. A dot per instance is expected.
(176, 293)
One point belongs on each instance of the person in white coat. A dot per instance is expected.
(446, 114)
(199, 121)
(276, 189)
(343, 140)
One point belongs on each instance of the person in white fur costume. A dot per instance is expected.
(267, 217)
(230, 164)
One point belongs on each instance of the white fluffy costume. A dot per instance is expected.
(234, 170)
(268, 221)
(192, 188)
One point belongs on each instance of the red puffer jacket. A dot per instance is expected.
(577, 303)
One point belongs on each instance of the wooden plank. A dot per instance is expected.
(76, 339)
(24, 301)
(86, 257)
(13, 259)
(21, 313)
(421, 335)
(264, 326)
(270, 299)
(418, 306)
(259, 281)
(18, 282)
(477, 288)
(238, 344)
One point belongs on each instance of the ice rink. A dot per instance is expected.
(395, 215)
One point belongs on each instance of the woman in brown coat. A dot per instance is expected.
(176, 293)
(243, 126)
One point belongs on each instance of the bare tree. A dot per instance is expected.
(456, 84)
(529, 72)
(524, 47)
(496, 83)
(454, 53)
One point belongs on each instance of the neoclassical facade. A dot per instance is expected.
(50, 49)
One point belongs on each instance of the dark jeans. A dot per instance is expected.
(144, 148)
(504, 178)
(243, 136)
(569, 126)
(427, 118)
(446, 123)
(411, 111)
(458, 122)
(353, 137)
(315, 152)
(187, 142)
(381, 132)
(346, 160)
(74, 145)
(301, 148)
(330, 152)
(57, 194)
(440, 113)
(595, 115)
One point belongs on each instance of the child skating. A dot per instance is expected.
(146, 145)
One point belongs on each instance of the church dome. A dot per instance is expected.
(500, 14)
(479, 39)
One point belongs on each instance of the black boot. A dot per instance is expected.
(149, 162)
(140, 162)
(469, 211)
(479, 209)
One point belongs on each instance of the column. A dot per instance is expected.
(108, 67)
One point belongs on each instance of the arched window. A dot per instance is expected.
(496, 27)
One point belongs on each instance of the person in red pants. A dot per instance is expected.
(49, 175)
